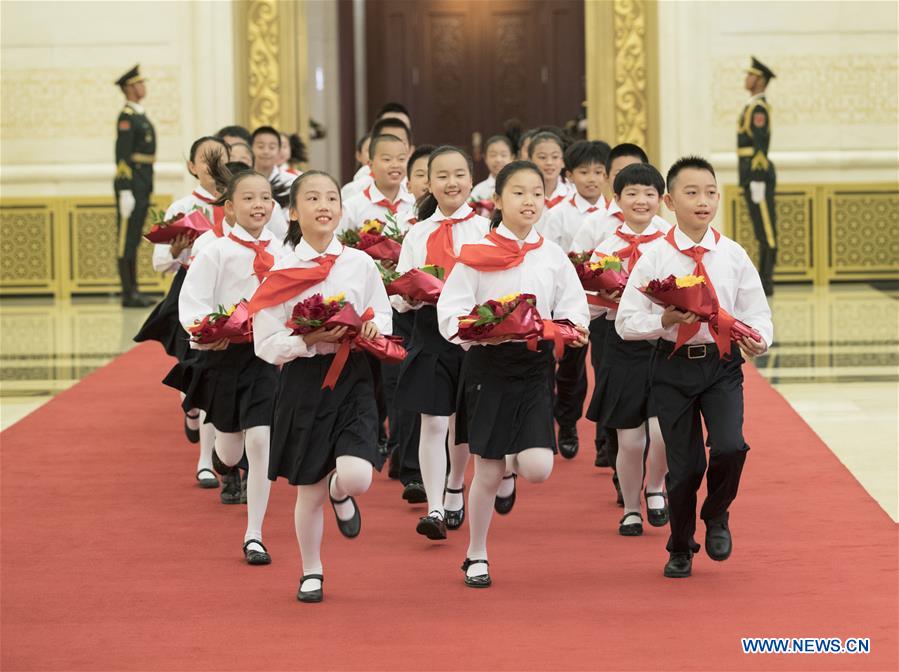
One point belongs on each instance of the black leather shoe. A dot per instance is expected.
(348, 528)
(630, 529)
(193, 435)
(383, 451)
(452, 518)
(414, 493)
(230, 493)
(502, 505)
(311, 595)
(602, 456)
(481, 581)
(432, 526)
(568, 443)
(255, 557)
(718, 542)
(656, 517)
(679, 565)
(206, 479)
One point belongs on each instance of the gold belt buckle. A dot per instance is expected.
(700, 348)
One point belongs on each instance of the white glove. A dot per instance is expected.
(126, 203)
(757, 192)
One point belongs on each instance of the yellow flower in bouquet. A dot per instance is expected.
(508, 298)
(337, 298)
(690, 280)
(372, 226)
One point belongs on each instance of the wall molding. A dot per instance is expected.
(819, 159)
(79, 172)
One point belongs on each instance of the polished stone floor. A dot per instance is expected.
(835, 360)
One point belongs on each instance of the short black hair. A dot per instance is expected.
(625, 149)
(504, 139)
(393, 106)
(266, 130)
(544, 136)
(685, 162)
(420, 151)
(361, 141)
(643, 174)
(378, 139)
(236, 132)
(390, 122)
(586, 152)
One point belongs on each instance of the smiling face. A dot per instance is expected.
(251, 204)
(497, 157)
(267, 150)
(521, 201)
(449, 179)
(388, 165)
(589, 179)
(317, 207)
(418, 178)
(639, 203)
(693, 197)
(548, 157)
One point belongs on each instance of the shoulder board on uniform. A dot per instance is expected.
(127, 110)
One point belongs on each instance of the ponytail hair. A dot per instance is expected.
(199, 142)
(224, 173)
(294, 232)
(427, 204)
(503, 176)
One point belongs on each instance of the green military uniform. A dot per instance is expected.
(135, 151)
(753, 141)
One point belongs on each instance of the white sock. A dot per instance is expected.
(432, 458)
(458, 458)
(487, 476)
(309, 523)
(507, 485)
(656, 465)
(258, 485)
(207, 443)
(629, 467)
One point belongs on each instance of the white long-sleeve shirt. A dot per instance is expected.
(566, 219)
(354, 274)
(361, 179)
(222, 275)
(362, 207)
(593, 231)
(162, 252)
(545, 272)
(730, 271)
(483, 191)
(552, 201)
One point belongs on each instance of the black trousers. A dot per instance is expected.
(764, 224)
(405, 425)
(686, 392)
(571, 386)
(130, 232)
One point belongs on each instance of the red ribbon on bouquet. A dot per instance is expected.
(387, 348)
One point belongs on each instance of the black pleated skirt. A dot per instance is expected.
(621, 396)
(234, 387)
(162, 323)
(429, 376)
(506, 399)
(312, 427)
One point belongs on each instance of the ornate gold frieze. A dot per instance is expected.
(630, 72)
(264, 76)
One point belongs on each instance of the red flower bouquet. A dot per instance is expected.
(192, 223)
(420, 284)
(388, 275)
(691, 293)
(605, 275)
(381, 241)
(514, 316)
(232, 323)
(312, 313)
(561, 333)
(578, 258)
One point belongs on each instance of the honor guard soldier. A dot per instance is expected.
(135, 152)
(757, 176)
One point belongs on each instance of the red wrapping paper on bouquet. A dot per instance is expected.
(607, 274)
(561, 333)
(514, 317)
(379, 247)
(233, 324)
(691, 294)
(192, 223)
(419, 284)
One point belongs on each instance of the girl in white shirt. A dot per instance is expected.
(498, 154)
(162, 324)
(235, 388)
(324, 441)
(505, 400)
(429, 377)
(547, 151)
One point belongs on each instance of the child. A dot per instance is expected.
(363, 172)
(240, 152)
(505, 399)
(525, 142)
(266, 148)
(499, 154)
(324, 441)
(394, 110)
(546, 150)
(621, 396)
(429, 377)
(386, 126)
(417, 173)
(162, 324)
(385, 195)
(696, 382)
(233, 386)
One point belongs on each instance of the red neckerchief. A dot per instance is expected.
(634, 241)
(440, 250)
(502, 255)
(263, 261)
(592, 208)
(393, 207)
(553, 202)
(687, 331)
(287, 283)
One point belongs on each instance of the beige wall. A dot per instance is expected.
(835, 104)
(58, 104)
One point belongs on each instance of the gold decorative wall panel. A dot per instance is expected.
(264, 84)
(65, 246)
(826, 232)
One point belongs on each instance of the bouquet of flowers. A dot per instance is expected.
(605, 275)
(561, 333)
(382, 241)
(388, 275)
(192, 223)
(514, 316)
(312, 313)
(578, 258)
(691, 293)
(420, 284)
(232, 323)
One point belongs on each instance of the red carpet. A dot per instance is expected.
(113, 560)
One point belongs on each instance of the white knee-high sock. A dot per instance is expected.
(508, 484)
(308, 520)
(481, 496)
(353, 478)
(258, 485)
(629, 467)
(207, 443)
(229, 447)
(432, 458)
(656, 464)
(458, 462)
